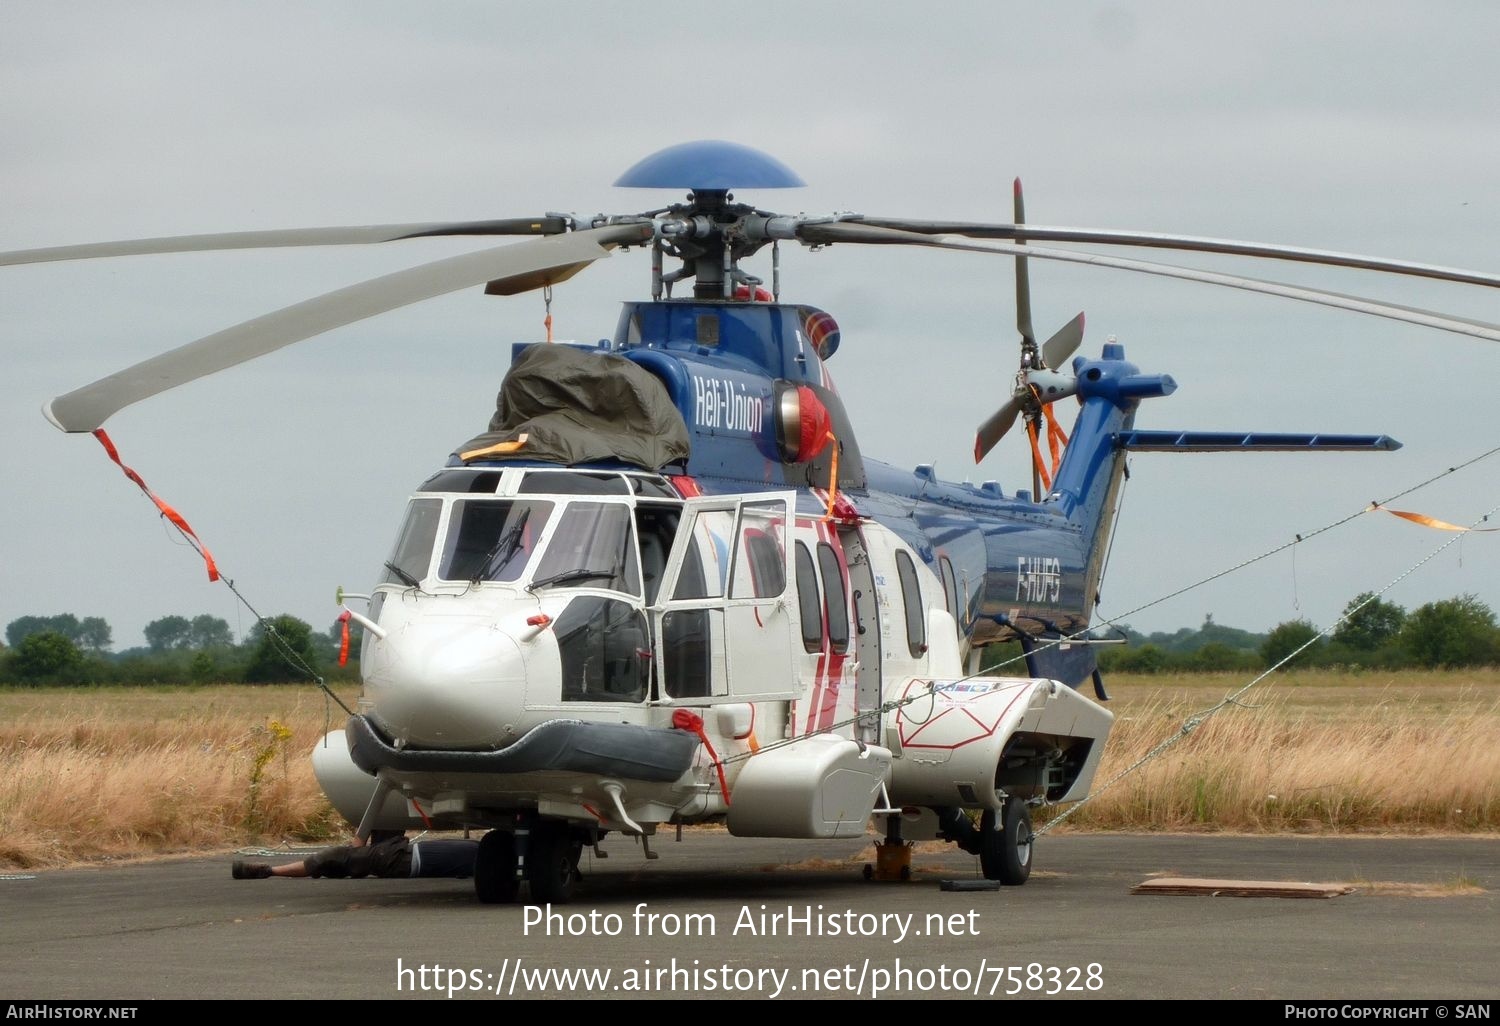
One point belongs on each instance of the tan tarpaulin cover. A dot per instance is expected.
(575, 406)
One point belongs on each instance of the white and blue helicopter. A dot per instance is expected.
(667, 588)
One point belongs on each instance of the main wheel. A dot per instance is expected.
(495, 868)
(1005, 843)
(552, 863)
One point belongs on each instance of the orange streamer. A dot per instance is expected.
(166, 511)
(1427, 521)
(1036, 459)
(1057, 439)
(833, 477)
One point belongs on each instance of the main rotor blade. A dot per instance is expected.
(848, 231)
(87, 408)
(287, 237)
(994, 429)
(1194, 243)
(1063, 343)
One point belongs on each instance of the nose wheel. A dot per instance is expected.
(551, 853)
(552, 863)
(1005, 843)
(495, 868)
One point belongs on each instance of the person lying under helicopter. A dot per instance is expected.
(387, 854)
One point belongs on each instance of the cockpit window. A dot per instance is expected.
(569, 482)
(462, 481)
(654, 487)
(491, 539)
(593, 546)
(604, 652)
(413, 552)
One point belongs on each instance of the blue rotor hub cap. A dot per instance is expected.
(710, 165)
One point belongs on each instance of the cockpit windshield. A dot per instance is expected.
(470, 538)
(491, 539)
(594, 545)
(413, 553)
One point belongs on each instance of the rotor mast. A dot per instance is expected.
(711, 233)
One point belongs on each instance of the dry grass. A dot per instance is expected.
(102, 773)
(90, 774)
(1320, 752)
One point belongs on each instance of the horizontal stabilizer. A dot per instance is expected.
(1248, 441)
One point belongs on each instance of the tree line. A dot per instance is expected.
(1374, 634)
(66, 649)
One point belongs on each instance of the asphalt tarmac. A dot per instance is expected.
(718, 916)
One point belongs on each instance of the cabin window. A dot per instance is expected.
(705, 567)
(911, 598)
(809, 603)
(593, 546)
(764, 565)
(836, 598)
(657, 527)
(491, 539)
(604, 650)
(686, 637)
(413, 553)
(758, 572)
(950, 592)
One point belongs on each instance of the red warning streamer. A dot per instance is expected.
(684, 719)
(166, 511)
(344, 637)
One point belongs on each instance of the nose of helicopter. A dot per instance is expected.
(446, 682)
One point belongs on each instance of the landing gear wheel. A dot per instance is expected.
(552, 863)
(1005, 843)
(495, 868)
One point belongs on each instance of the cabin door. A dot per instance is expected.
(723, 621)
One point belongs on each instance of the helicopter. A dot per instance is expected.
(666, 587)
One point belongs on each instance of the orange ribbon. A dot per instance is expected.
(1057, 438)
(1427, 521)
(166, 511)
(833, 477)
(1036, 459)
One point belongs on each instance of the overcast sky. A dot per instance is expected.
(1359, 126)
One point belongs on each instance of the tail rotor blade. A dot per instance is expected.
(994, 429)
(1063, 344)
(1023, 281)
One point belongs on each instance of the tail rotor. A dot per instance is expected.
(1038, 381)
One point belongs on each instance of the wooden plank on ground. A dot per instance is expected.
(1242, 888)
